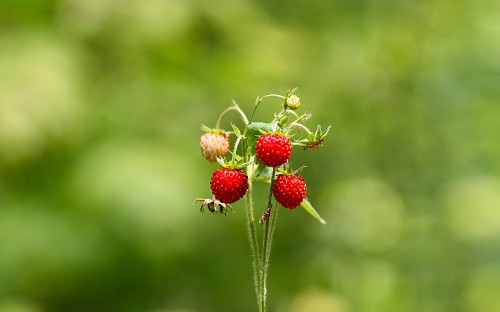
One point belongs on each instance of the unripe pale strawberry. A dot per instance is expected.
(228, 185)
(273, 149)
(292, 102)
(213, 145)
(289, 190)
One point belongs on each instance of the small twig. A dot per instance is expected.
(234, 107)
(260, 99)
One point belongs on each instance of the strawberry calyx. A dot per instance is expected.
(314, 140)
(213, 205)
(237, 162)
(286, 169)
(276, 129)
(217, 131)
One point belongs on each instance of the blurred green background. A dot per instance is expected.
(101, 103)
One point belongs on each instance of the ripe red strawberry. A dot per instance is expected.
(228, 185)
(289, 190)
(214, 145)
(273, 149)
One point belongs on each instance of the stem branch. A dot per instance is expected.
(234, 107)
(235, 149)
(299, 125)
(260, 99)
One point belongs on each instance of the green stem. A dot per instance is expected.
(266, 249)
(270, 225)
(299, 125)
(260, 260)
(235, 149)
(260, 99)
(234, 107)
(252, 236)
(272, 220)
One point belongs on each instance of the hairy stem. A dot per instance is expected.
(270, 225)
(272, 220)
(235, 149)
(260, 99)
(266, 247)
(299, 125)
(234, 107)
(252, 236)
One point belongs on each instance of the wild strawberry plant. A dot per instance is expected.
(260, 153)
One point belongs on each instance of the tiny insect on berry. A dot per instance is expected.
(213, 145)
(290, 190)
(273, 149)
(228, 185)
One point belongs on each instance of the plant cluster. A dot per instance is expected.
(260, 153)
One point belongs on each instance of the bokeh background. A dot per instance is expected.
(101, 104)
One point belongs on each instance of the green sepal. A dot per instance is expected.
(266, 173)
(310, 209)
(237, 163)
(313, 140)
(281, 118)
(291, 92)
(212, 130)
(236, 130)
(238, 158)
(222, 162)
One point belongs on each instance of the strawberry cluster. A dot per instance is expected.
(261, 152)
(265, 145)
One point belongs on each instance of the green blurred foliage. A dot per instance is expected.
(100, 110)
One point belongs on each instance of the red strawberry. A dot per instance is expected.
(273, 149)
(289, 190)
(228, 185)
(214, 145)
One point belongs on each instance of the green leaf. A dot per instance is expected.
(263, 179)
(237, 131)
(222, 162)
(309, 208)
(266, 172)
(253, 131)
